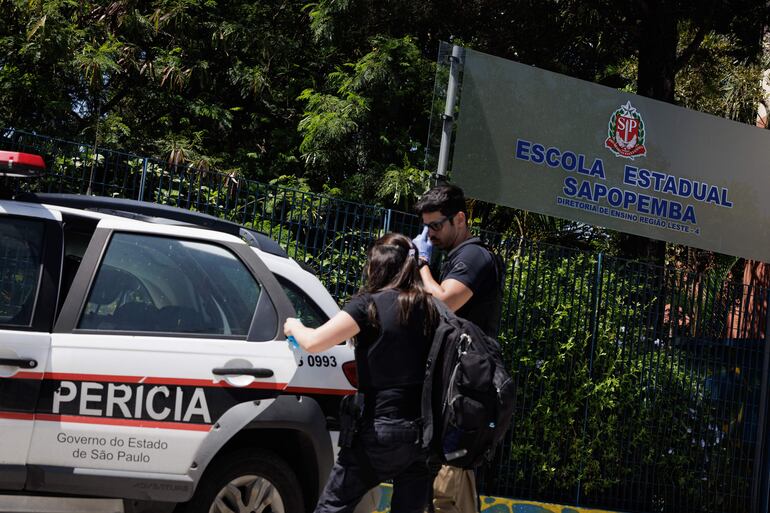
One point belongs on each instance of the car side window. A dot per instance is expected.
(77, 234)
(21, 244)
(151, 283)
(307, 311)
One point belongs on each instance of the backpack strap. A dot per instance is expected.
(442, 308)
(445, 314)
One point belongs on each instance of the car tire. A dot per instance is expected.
(244, 481)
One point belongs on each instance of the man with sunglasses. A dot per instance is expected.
(469, 284)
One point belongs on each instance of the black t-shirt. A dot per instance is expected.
(474, 266)
(390, 357)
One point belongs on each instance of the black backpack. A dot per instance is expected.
(468, 394)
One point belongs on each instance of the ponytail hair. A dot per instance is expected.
(392, 263)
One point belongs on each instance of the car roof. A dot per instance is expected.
(155, 213)
(115, 222)
(277, 262)
(15, 208)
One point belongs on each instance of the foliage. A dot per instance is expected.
(338, 92)
(223, 75)
(403, 185)
(718, 78)
(371, 113)
(604, 399)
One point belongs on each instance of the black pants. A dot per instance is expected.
(384, 449)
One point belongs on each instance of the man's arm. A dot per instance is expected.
(452, 292)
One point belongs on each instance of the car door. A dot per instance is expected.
(167, 336)
(30, 253)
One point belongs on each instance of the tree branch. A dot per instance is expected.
(116, 98)
(692, 48)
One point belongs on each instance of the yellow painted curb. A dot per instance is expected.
(498, 505)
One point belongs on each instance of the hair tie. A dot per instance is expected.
(411, 252)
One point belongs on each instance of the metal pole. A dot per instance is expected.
(761, 482)
(386, 226)
(141, 183)
(96, 144)
(449, 110)
(595, 301)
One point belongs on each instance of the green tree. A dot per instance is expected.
(339, 91)
(403, 185)
(148, 73)
(371, 114)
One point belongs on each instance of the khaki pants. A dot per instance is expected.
(454, 491)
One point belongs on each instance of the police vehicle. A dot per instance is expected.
(142, 358)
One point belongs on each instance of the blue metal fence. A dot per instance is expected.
(639, 388)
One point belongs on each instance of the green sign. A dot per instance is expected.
(547, 143)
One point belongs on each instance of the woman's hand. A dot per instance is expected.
(314, 340)
(291, 325)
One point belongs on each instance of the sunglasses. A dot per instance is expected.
(436, 225)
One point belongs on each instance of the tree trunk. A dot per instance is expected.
(657, 50)
(658, 38)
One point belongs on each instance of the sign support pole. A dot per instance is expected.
(448, 117)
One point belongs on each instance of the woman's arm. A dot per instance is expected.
(314, 340)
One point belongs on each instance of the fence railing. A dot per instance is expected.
(633, 391)
(631, 395)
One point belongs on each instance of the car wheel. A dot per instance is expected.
(247, 481)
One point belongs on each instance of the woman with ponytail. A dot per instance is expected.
(392, 319)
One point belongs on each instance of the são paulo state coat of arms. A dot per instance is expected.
(625, 133)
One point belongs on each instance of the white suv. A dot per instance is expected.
(142, 358)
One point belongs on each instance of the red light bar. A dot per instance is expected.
(20, 165)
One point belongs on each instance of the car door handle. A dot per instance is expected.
(24, 363)
(245, 371)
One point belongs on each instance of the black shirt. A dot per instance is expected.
(474, 266)
(390, 357)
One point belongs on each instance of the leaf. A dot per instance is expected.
(38, 25)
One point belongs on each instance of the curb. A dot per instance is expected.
(498, 505)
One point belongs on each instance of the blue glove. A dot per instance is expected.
(424, 245)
